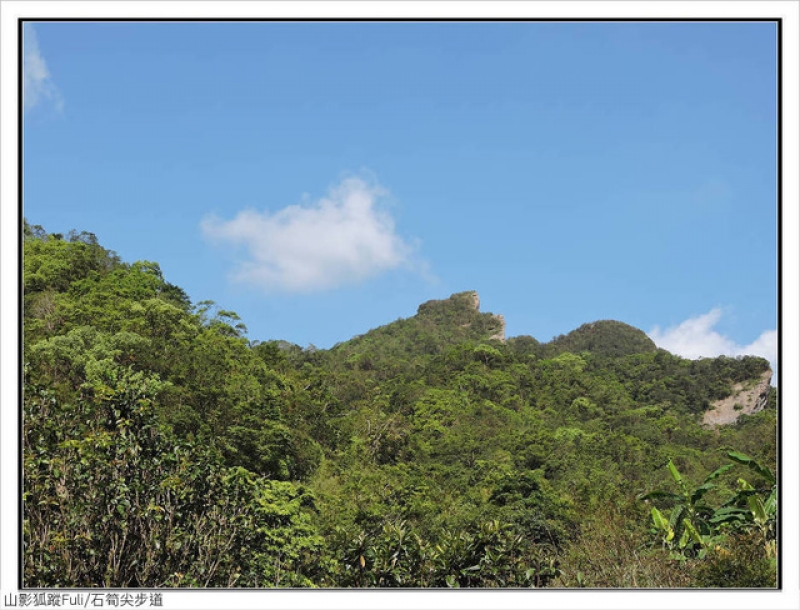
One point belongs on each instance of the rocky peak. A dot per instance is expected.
(463, 310)
(464, 301)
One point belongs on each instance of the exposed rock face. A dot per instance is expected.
(467, 302)
(747, 398)
(500, 335)
(463, 309)
(475, 300)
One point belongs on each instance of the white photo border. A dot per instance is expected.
(789, 361)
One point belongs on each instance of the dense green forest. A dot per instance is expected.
(163, 448)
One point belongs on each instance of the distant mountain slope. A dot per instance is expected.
(442, 323)
(485, 461)
(605, 338)
(438, 325)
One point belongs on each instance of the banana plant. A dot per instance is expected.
(688, 531)
(694, 527)
(758, 505)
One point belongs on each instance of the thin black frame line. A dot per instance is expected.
(20, 313)
(402, 19)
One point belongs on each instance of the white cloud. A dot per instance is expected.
(696, 338)
(37, 85)
(343, 238)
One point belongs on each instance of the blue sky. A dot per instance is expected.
(322, 179)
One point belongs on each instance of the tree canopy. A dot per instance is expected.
(162, 447)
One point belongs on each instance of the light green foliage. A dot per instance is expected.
(112, 499)
(489, 554)
(696, 529)
(163, 448)
(605, 338)
(570, 362)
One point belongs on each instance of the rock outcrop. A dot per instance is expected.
(465, 302)
(463, 309)
(500, 335)
(747, 398)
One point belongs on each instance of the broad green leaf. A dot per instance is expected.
(718, 472)
(675, 517)
(728, 514)
(744, 485)
(662, 524)
(752, 465)
(684, 539)
(757, 507)
(659, 520)
(693, 532)
(701, 491)
(674, 472)
(771, 505)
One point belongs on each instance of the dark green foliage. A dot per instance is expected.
(388, 351)
(610, 553)
(114, 499)
(741, 564)
(736, 540)
(603, 338)
(522, 346)
(164, 448)
(486, 555)
(525, 498)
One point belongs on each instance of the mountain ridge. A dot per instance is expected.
(458, 317)
(418, 454)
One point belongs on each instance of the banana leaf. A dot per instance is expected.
(759, 514)
(716, 474)
(771, 505)
(752, 465)
(698, 493)
(729, 515)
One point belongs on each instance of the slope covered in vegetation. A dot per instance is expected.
(164, 448)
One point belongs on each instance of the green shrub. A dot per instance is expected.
(741, 564)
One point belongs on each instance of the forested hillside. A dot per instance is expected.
(163, 447)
